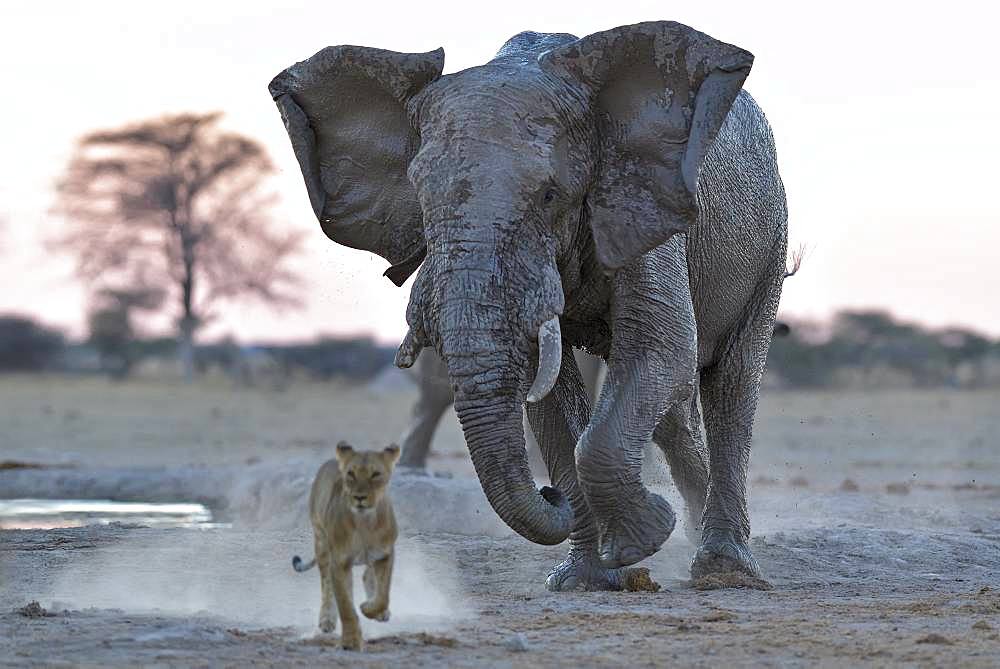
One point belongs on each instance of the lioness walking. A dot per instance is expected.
(353, 524)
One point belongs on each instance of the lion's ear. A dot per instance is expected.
(344, 451)
(391, 454)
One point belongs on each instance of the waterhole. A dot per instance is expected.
(46, 514)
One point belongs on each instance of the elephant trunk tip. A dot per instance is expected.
(564, 515)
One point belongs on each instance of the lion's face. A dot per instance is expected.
(366, 474)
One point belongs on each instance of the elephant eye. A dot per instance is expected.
(550, 196)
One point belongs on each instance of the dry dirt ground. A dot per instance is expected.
(876, 518)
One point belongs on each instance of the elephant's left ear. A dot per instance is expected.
(661, 92)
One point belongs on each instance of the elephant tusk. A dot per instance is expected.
(408, 351)
(549, 359)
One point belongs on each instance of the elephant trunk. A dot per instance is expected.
(481, 307)
(488, 403)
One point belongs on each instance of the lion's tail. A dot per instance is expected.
(297, 564)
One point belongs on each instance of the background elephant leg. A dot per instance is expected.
(417, 440)
(435, 398)
(729, 390)
(557, 423)
(680, 438)
(592, 371)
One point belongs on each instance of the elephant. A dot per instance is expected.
(436, 396)
(617, 193)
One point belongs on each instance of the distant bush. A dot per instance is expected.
(872, 348)
(326, 358)
(28, 346)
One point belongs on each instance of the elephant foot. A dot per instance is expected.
(721, 553)
(636, 534)
(585, 572)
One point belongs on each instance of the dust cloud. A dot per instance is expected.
(245, 578)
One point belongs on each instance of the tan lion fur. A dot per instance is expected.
(353, 524)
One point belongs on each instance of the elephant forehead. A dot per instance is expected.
(500, 101)
(465, 167)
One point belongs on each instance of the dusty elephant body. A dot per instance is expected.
(619, 193)
(436, 396)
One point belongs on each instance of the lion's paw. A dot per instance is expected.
(375, 612)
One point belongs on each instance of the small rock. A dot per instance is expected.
(719, 616)
(936, 638)
(898, 488)
(849, 486)
(34, 610)
(766, 480)
(517, 643)
(733, 579)
(982, 625)
(639, 580)
(435, 640)
(684, 626)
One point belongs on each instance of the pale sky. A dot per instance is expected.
(885, 116)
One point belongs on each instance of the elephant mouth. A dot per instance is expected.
(549, 357)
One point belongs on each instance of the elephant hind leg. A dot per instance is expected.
(680, 438)
(730, 389)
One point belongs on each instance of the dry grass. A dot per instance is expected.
(880, 441)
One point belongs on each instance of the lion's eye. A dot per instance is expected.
(376, 475)
(351, 476)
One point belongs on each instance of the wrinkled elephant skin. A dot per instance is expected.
(617, 193)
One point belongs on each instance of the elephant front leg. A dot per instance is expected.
(557, 422)
(650, 369)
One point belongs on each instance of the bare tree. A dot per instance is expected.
(184, 203)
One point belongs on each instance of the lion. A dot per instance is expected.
(353, 524)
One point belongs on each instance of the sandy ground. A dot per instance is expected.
(876, 518)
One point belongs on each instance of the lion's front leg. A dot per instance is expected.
(327, 622)
(343, 591)
(378, 577)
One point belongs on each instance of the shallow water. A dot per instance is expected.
(44, 514)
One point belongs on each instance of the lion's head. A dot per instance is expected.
(366, 474)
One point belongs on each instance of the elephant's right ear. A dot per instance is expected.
(345, 112)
